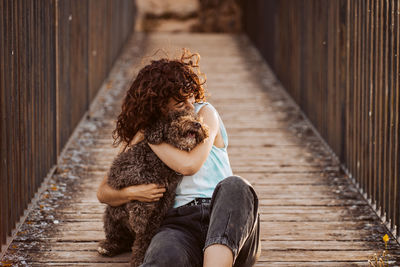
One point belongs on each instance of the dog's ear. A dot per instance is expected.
(155, 133)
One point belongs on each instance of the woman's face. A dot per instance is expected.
(175, 105)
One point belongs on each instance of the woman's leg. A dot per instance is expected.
(172, 247)
(218, 255)
(179, 241)
(251, 249)
(234, 222)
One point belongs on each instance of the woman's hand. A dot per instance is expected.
(144, 193)
(139, 136)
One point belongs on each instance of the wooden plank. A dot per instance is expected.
(3, 144)
(294, 226)
(396, 186)
(316, 256)
(267, 245)
(266, 234)
(277, 202)
(394, 113)
(95, 208)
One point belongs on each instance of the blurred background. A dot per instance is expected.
(188, 16)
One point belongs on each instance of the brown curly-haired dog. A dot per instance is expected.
(135, 223)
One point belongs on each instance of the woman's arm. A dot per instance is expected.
(188, 163)
(143, 193)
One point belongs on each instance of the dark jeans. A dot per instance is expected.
(231, 219)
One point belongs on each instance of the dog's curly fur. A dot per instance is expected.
(133, 224)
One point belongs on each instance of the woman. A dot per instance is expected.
(214, 221)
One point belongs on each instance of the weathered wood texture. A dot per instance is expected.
(311, 213)
(339, 60)
(54, 55)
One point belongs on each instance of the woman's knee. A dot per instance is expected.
(236, 186)
(235, 180)
(236, 191)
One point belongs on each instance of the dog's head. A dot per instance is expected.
(182, 129)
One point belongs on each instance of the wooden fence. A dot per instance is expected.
(54, 55)
(339, 60)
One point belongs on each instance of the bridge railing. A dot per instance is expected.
(339, 60)
(54, 55)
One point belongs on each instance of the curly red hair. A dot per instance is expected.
(151, 90)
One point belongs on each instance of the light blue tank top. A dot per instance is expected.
(215, 168)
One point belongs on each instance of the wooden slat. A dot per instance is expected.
(3, 144)
(396, 88)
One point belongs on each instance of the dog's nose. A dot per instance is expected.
(197, 125)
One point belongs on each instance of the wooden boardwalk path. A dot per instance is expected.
(311, 214)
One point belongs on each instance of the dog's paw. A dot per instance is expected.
(105, 248)
(109, 249)
(103, 251)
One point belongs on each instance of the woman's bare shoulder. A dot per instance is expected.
(207, 110)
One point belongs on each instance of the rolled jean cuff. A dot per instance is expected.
(222, 241)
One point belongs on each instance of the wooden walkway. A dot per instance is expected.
(311, 214)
